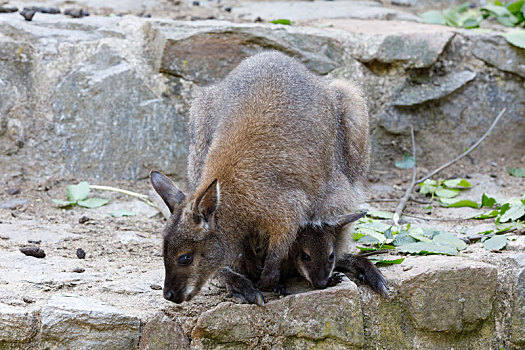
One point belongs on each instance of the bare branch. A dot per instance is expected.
(446, 165)
(404, 200)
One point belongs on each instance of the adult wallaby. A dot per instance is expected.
(273, 148)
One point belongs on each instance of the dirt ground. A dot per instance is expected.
(123, 264)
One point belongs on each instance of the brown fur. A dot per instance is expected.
(273, 148)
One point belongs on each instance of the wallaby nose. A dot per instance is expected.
(168, 295)
(321, 284)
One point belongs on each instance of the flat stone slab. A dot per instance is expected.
(306, 11)
(81, 323)
(17, 324)
(306, 318)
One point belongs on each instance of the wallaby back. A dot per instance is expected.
(272, 149)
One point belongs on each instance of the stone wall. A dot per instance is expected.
(108, 97)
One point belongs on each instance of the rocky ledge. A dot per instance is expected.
(107, 97)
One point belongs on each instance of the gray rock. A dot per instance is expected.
(307, 11)
(518, 314)
(412, 94)
(330, 317)
(17, 324)
(124, 131)
(163, 333)
(212, 49)
(496, 51)
(82, 323)
(444, 294)
(13, 203)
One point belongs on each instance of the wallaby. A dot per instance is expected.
(313, 256)
(273, 148)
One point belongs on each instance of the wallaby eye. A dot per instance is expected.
(185, 259)
(332, 256)
(305, 257)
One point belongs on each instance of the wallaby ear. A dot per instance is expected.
(346, 219)
(206, 203)
(166, 189)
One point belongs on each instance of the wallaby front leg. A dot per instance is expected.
(239, 287)
(271, 271)
(365, 270)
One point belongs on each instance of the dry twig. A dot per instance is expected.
(404, 200)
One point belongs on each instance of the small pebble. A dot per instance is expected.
(83, 220)
(196, 3)
(33, 251)
(155, 286)
(14, 191)
(406, 268)
(28, 300)
(228, 9)
(33, 241)
(81, 254)
(27, 14)
(8, 9)
(76, 13)
(79, 269)
(493, 175)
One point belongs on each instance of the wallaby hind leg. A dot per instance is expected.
(239, 287)
(365, 270)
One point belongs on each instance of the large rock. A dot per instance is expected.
(108, 97)
(518, 314)
(82, 323)
(438, 302)
(17, 325)
(162, 333)
(327, 319)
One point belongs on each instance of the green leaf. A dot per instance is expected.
(462, 7)
(488, 215)
(419, 235)
(389, 235)
(407, 163)
(403, 239)
(487, 201)
(495, 243)
(496, 10)
(450, 239)
(92, 203)
(122, 212)
(507, 21)
(425, 248)
(513, 225)
(446, 193)
(457, 183)
(515, 210)
(456, 203)
(78, 192)
(517, 172)
(286, 22)
(515, 7)
(452, 17)
(63, 204)
(472, 22)
(374, 225)
(367, 249)
(378, 214)
(381, 261)
(433, 17)
(368, 240)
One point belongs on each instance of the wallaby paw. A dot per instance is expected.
(247, 295)
(375, 279)
(269, 281)
(280, 289)
(335, 279)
